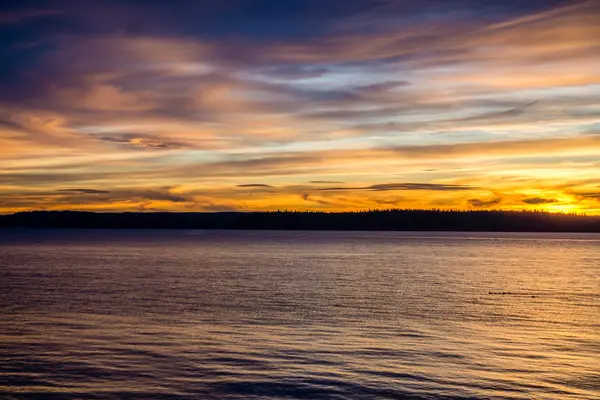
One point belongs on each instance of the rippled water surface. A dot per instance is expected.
(311, 315)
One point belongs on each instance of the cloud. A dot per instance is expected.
(11, 125)
(117, 198)
(254, 185)
(294, 72)
(483, 203)
(513, 112)
(402, 186)
(513, 148)
(419, 186)
(589, 195)
(133, 194)
(381, 161)
(381, 87)
(325, 182)
(24, 15)
(451, 40)
(539, 200)
(85, 191)
(154, 194)
(337, 202)
(144, 141)
(103, 97)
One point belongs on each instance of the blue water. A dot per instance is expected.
(298, 315)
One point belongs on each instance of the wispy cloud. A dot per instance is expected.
(254, 185)
(14, 17)
(539, 200)
(484, 203)
(402, 186)
(144, 141)
(86, 191)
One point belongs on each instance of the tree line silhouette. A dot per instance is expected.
(375, 220)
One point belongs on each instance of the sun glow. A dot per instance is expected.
(563, 208)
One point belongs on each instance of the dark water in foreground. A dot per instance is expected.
(311, 315)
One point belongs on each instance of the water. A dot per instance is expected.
(310, 315)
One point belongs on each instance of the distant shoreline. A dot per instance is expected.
(384, 220)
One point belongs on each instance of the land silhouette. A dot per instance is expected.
(376, 220)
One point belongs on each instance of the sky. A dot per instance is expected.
(333, 105)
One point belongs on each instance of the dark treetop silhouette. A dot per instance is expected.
(393, 219)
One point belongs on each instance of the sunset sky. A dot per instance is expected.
(300, 104)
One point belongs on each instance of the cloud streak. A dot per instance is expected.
(539, 200)
(401, 186)
(483, 203)
(85, 191)
(254, 185)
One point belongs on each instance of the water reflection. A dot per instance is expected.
(299, 315)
